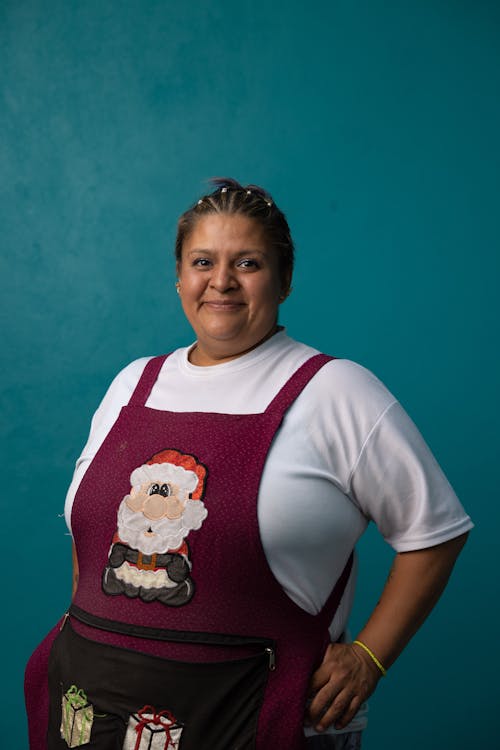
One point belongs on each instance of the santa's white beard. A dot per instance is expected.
(168, 533)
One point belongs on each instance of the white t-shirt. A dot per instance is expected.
(346, 453)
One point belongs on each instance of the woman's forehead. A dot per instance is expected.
(221, 231)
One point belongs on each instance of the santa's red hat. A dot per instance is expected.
(173, 466)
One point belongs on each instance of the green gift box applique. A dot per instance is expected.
(76, 718)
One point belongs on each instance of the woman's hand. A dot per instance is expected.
(346, 677)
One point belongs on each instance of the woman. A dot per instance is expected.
(214, 512)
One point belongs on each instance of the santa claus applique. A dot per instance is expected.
(149, 556)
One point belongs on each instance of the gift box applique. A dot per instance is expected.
(77, 716)
(149, 729)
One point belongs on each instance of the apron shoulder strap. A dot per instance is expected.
(280, 403)
(147, 381)
(289, 392)
(333, 601)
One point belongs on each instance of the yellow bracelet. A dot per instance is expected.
(372, 657)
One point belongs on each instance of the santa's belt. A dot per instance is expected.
(145, 562)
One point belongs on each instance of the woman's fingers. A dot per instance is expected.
(330, 707)
(338, 659)
(339, 686)
(339, 712)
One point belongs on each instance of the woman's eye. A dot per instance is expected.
(201, 262)
(248, 263)
(165, 490)
(154, 489)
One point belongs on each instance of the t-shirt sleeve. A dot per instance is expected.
(117, 395)
(399, 485)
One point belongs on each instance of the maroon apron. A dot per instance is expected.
(179, 635)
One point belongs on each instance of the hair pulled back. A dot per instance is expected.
(230, 197)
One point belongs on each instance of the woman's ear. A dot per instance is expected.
(285, 286)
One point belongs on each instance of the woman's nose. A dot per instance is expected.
(223, 278)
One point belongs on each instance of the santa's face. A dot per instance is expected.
(157, 516)
(158, 500)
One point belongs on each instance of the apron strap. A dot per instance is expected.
(289, 392)
(147, 381)
(280, 403)
(333, 601)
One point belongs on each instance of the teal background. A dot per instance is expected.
(376, 128)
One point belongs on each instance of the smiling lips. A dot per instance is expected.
(223, 305)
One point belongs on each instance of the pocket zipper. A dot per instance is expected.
(63, 621)
(272, 658)
(175, 636)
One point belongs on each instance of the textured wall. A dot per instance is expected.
(375, 125)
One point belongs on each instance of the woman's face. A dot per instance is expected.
(230, 287)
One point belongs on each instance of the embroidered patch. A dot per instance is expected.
(77, 716)
(149, 556)
(152, 730)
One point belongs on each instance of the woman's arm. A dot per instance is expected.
(75, 571)
(348, 675)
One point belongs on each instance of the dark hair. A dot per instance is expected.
(230, 197)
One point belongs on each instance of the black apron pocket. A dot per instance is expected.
(111, 698)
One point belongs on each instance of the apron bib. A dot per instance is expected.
(179, 635)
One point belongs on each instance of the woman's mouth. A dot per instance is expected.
(219, 306)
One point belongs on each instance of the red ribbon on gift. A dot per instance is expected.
(155, 717)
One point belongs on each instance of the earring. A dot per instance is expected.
(178, 286)
(286, 294)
